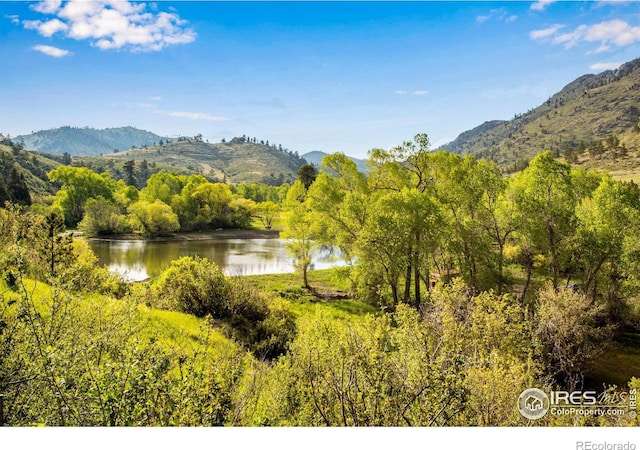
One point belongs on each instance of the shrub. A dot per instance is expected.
(566, 334)
(83, 274)
(195, 286)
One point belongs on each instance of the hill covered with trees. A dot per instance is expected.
(239, 160)
(23, 172)
(86, 141)
(575, 121)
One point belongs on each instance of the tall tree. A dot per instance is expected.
(78, 185)
(267, 212)
(129, 168)
(299, 230)
(17, 187)
(54, 247)
(307, 175)
(153, 218)
(339, 200)
(545, 200)
(608, 222)
(163, 186)
(143, 173)
(399, 236)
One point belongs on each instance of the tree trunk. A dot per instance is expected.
(407, 280)
(394, 291)
(500, 267)
(529, 266)
(416, 278)
(305, 279)
(554, 257)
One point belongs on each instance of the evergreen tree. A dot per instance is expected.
(129, 168)
(307, 175)
(17, 188)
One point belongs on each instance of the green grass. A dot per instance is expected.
(632, 176)
(338, 309)
(289, 285)
(276, 225)
(184, 333)
(182, 330)
(174, 330)
(303, 302)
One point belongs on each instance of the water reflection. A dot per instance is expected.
(139, 259)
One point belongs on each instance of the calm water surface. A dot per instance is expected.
(140, 259)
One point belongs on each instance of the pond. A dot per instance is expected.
(138, 260)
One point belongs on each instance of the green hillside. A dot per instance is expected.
(235, 161)
(86, 141)
(31, 166)
(582, 114)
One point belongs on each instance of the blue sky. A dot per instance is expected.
(331, 76)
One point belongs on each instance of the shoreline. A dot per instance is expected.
(194, 236)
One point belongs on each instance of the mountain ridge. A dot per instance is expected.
(86, 141)
(584, 112)
(240, 160)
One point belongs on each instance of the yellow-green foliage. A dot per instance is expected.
(367, 372)
(463, 361)
(91, 360)
(192, 285)
(198, 286)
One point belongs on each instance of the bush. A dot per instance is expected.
(566, 334)
(275, 332)
(103, 217)
(153, 218)
(265, 324)
(197, 286)
(83, 274)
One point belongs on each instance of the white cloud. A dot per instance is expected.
(416, 92)
(500, 14)
(615, 2)
(545, 32)
(609, 34)
(51, 51)
(605, 66)
(14, 18)
(541, 5)
(112, 24)
(191, 115)
(47, 6)
(46, 29)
